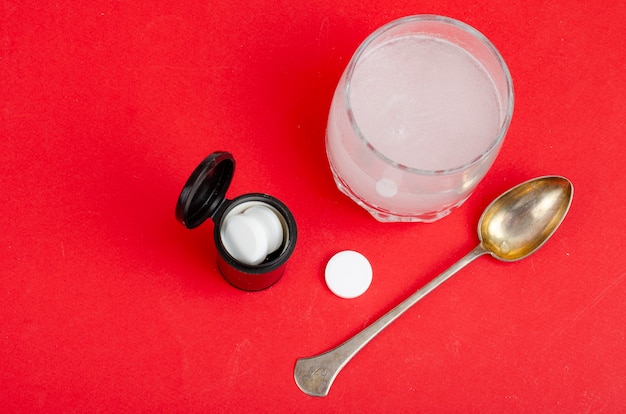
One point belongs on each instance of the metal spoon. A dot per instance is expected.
(512, 227)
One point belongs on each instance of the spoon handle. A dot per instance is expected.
(314, 375)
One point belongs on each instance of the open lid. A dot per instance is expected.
(205, 190)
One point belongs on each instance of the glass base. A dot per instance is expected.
(386, 216)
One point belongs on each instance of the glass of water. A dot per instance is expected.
(418, 118)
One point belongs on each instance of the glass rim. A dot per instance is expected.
(504, 125)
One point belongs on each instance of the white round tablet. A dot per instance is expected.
(386, 187)
(245, 239)
(348, 274)
(271, 224)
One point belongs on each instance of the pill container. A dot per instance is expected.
(252, 253)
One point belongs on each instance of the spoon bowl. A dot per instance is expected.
(521, 220)
(512, 227)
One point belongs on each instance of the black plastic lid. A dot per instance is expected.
(205, 190)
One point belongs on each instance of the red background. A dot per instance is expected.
(107, 304)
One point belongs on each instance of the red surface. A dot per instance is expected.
(109, 305)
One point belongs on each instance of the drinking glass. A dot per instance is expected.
(418, 118)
